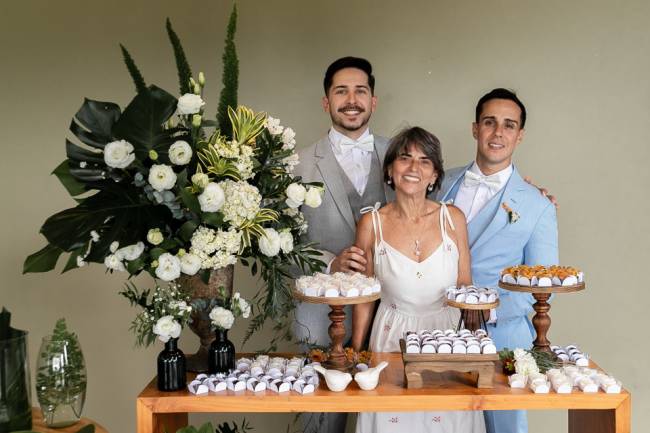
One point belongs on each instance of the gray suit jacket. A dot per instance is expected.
(332, 223)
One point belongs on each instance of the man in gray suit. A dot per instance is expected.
(347, 160)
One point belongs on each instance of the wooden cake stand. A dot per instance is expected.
(337, 359)
(466, 310)
(541, 319)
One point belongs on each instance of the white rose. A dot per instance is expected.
(154, 237)
(190, 104)
(113, 262)
(270, 243)
(295, 195)
(166, 327)
(169, 267)
(222, 318)
(200, 179)
(162, 177)
(130, 252)
(180, 153)
(286, 241)
(313, 197)
(190, 264)
(212, 198)
(118, 154)
(245, 308)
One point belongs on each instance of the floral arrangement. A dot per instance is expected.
(526, 362)
(223, 315)
(165, 312)
(162, 189)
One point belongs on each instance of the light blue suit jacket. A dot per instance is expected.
(496, 243)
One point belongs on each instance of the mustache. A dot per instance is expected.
(351, 107)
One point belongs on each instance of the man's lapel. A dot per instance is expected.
(331, 173)
(451, 184)
(511, 196)
(381, 146)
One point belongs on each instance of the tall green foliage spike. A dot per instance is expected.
(138, 80)
(230, 77)
(184, 71)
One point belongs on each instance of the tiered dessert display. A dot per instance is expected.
(337, 290)
(472, 301)
(541, 282)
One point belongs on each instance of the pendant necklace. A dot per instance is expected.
(417, 251)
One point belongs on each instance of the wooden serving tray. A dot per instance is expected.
(417, 363)
(537, 289)
(337, 300)
(464, 306)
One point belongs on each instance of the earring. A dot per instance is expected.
(430, 187)
(390, 180)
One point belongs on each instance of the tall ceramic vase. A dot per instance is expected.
(200, 325)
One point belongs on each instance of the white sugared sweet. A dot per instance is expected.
(449, 342)
(472, 295)
(338, 284)
(517, 381)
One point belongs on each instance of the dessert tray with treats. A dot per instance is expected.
(339, 284)
(439, 351)
(566, 380)
(276, 374)
(542, 276)
(472, 297)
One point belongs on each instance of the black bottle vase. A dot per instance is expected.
(171, 367)
(221, 356)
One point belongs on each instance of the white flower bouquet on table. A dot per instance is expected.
(227, 308)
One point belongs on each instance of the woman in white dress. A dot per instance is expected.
(416, 248)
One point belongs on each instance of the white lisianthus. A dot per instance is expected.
(166, 327)
(113, 262)
(190, 264)
(288, 138)
(222, 318)
(270, 243)
(273, 125)
(286, 241)
(180, 153)
(212, 198)
(295, 195)
(200, 179)
(130, 252)
(190, 103)
(169, 267)
(313, 197)
(118, 154)
(162, 177)
(245, 308)
(114, 246)
(154, 236)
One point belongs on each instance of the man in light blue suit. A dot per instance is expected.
(509, 223)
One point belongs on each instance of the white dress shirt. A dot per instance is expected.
(354, 161)
(471, 199)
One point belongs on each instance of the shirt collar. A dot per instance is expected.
(336, 137)
(502, 175)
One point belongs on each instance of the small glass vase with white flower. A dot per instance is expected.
(165, 312)
(224, 310)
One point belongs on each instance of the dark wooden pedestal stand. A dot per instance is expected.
(541, 319)
(337, 359)
(476, 310)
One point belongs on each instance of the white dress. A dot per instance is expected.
(412, 299)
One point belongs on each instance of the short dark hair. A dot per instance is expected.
(501, 93)
(426, 141)
(348, 62)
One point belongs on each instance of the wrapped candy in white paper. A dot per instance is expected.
(473, 349)
(587, 385)
(461, 297)
(349, 292)
(428, 348)
(413, 348)
(517, 381)
(489, 349)
(471, 299)
(459, 348)
(570, 281)
(540, 387)
(523, 281)
(544, 282)
(509, 279)
(444, 348)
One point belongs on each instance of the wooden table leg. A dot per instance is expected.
(150, 422)
(601, 421)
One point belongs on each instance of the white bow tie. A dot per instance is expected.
(473, 179)
(366, 144)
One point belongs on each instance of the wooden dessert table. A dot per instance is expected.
(588, 413)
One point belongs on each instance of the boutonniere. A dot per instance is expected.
(512, 215)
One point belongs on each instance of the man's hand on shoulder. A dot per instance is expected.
(544, 192)
(351, 259)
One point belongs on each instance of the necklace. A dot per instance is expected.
(417, 251)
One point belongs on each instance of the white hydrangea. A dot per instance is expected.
(113, 262)
(525, 363)
(273, 125)
(190, 264)
(212, 198)
(190, 103)
(295, 195)
(162, 177)
(227, 149)
(169, 267)
(270, 242)
(180, 153)
(286, 241)
(313, 197)
(242, 201)
(166, 327)
(119, 154)
(131, 252)
(244, 162)
(288, 138)
(222, 318)
(215, 249)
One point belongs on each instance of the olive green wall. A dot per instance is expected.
(581, 67)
